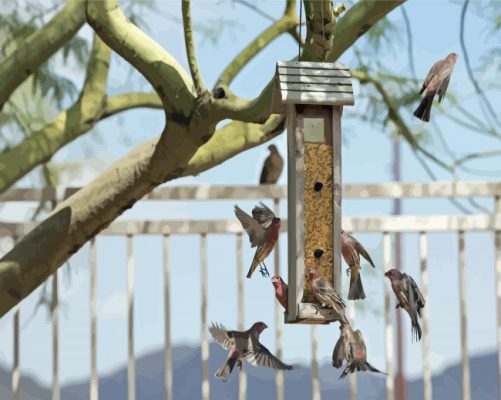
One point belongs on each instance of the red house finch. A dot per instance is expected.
(351, 348)
(280, 290)
(325, 294)
(263, 229)
(408, 296)
(351, 250)
(244, 344)
(437, 80)
(272, 167)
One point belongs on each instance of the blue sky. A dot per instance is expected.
(366, 158)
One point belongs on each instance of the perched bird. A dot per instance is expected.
(272, 167)
(280, 290)
(351, 348)
(263, 229)
(437, 80)
(351, 250)
(325, 294)
(244, 345)
(408, 296)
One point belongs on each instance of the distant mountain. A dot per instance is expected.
(261, 383)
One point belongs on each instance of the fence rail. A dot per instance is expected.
(384, 225)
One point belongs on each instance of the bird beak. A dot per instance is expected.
(387, 273)
(265, 326)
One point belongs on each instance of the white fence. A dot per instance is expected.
(383, 225)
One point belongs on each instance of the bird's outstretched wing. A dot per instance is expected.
(262, 214)
(361, 250)
(220, 335)
(260, 356)
(252, 227)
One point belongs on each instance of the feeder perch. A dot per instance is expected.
(312, 95)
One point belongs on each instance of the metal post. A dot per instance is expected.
(131, 361)
(167, 345)
(315, 379)
(94, 389)
(387, 321)
(464, 326)
(279, 375)
(203, 312)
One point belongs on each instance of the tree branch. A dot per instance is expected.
(286, 23)
(161, 70)
(356, 21)
(190, 49)
(397, 119)
(39, 47)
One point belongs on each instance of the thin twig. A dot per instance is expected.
(409, 40)
(468, 66)
(190, 49)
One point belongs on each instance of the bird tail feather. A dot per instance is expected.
(224, 372)
(424, 108)
(255, 263)
(356, 291)
(416, 329)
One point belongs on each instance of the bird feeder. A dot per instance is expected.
(312, 95)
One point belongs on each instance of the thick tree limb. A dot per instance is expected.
(356, 21)
(39, 47)
(162, 70)
(190, 49)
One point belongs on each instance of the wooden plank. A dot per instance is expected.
(314, 72)
(337, 178)
(423, 255)
(94, 388)
(311, 64)
(316, 87)
(390, 190)
(327, 98)
(242, 375)
(315, 378)
(203, 317)
(55, 338)
(131, 361)
(167, 322)
(291, 212)
(400, 223)
(315, 79)
(465, 361)
(279, 375)
(387, 321)
(352, 378)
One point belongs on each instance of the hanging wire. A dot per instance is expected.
(323, 23)
(300, 22)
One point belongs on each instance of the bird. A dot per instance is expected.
(437, 80)
(350, 347)
(409, 297)
(351, 250)
(272, 167)
(325, 294)
(244, 345)
(281, 290)
(263, 229)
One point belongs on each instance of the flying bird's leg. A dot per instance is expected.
(264, 271)
(348, 271)
(239, 365)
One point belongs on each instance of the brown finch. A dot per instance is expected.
(325, 294)
(244, 344)
(263, 229)
(280, 290)
(351, 250)
(351, 348)
(437, 80)
(272, 167)
(409, 297)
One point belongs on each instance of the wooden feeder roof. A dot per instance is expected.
(311, 83)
